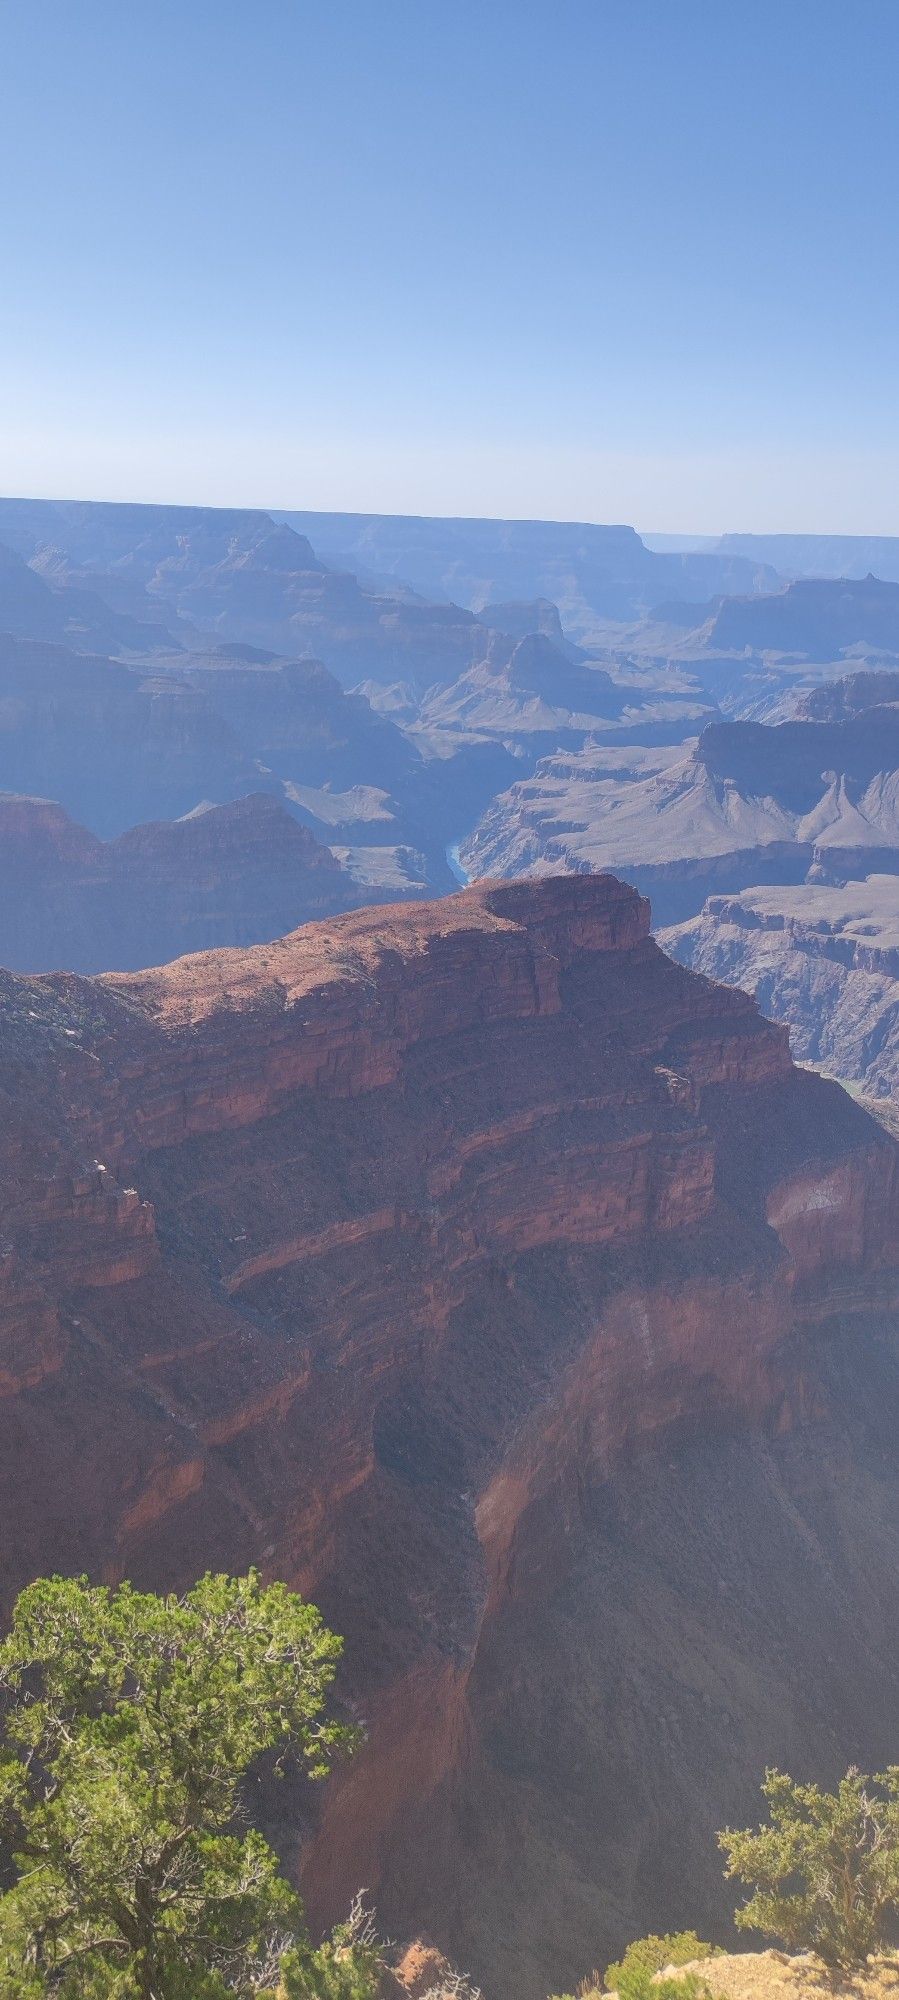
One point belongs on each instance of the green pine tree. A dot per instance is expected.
(129, 1722)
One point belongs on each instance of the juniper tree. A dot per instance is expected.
(129, 1722)
(825, 1869)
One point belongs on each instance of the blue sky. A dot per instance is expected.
(605, 259)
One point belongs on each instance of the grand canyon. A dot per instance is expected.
(471, 1258)
(449, 1002)
(506, 1288)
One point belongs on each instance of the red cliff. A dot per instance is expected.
(502, 1285)
(224, 875)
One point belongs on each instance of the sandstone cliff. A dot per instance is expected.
(501, 1284)
(224, 875)
(746, 804)
(823, 958)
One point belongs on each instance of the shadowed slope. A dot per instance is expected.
(480, 1271)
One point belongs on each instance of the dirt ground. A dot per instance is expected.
(772, 1975)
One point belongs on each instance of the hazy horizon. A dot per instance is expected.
(310, 505)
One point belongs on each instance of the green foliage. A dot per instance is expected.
(633, 1977)
(130, 1721)
(348, 1966)
(825, 1869)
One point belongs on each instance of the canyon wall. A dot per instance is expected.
(502, 1285)
(223, 875)
(823, 958)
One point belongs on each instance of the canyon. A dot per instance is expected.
(813, 797)
(156, 662)
(225, 875)
(823, 958)
(505, 1287)
(242, 576)
(592, 573)
(449, 998)
(116, 743)
(818, 555)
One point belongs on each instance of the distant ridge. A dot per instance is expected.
(593, 573)
(796, 555)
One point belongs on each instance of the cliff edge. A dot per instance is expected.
(503, 1286)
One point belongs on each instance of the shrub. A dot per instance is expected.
(633, 1977)
(129, 1723)
(644, 1985)
(824, 1870)
(348, 1966)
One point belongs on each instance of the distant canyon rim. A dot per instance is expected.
(382, 1203)
(430, 701)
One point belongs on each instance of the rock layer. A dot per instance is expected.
(227, 875)
(747, 804)
(824, 959)
(488, 1276)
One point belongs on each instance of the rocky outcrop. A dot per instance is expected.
(501, 1284)
(532, 696)
(814, 618)
(749, 803)
(225, 875)
(530, 687)
(114, 745)
(848, 696)
(755, 654)
(40, 606)
(824, 959)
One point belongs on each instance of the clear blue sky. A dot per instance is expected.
(610, 259)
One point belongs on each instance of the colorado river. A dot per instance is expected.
(452, 855)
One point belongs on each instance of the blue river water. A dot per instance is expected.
(452, 855)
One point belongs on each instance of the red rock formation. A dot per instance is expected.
(748, 804)
(222, 875)
(391, 1255)
(823, 958)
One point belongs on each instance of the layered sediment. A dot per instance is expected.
(823, 959)
(452, 1263)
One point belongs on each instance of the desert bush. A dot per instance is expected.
(634, 1975)
(824, 1870)
(453, 1986)
(642, 1984)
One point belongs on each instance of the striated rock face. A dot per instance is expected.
(112, 744)
(116, 745)
(530, 693)
(501, 1284)
(224, 875)
(239, 574)
(823, 958)
(819, 618)
(747, 804)
(32, 608)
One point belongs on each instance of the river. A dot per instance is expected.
(452, 855)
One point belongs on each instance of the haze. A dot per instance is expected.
(614, 261)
